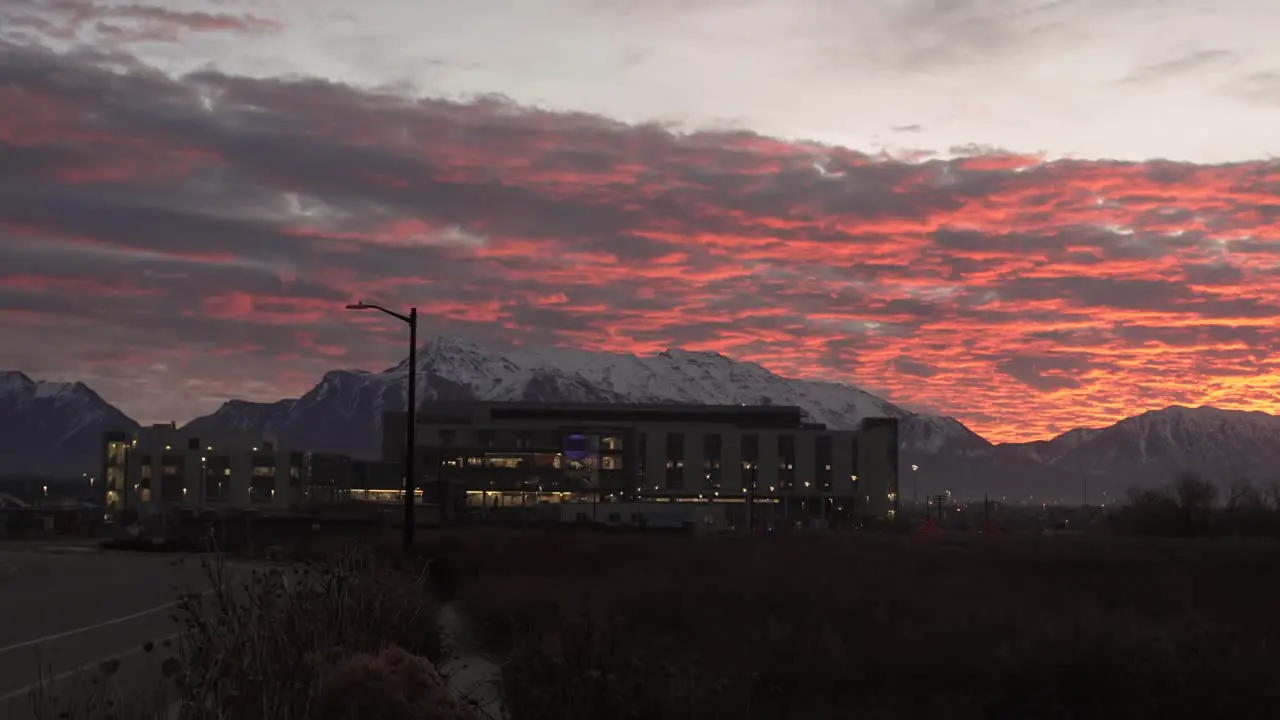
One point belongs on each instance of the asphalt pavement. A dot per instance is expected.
(66, 610)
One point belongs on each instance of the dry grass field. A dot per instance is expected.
(588, 625)
(592, 626)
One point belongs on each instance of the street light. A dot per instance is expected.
(915, 485)
(409, 485)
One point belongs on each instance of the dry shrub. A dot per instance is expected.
(592, 627)
(391, 685)
(244, 651)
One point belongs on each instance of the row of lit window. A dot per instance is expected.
(174, 470)
(607, 462)
(255, 495)
(523, 440)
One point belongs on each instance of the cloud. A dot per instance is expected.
(153, 226)
(1176, 67)
(1044, 373)
(907, 366)
(1260, 87)
(119, 25)
(1030, 76)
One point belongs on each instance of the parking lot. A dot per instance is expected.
(68, 609)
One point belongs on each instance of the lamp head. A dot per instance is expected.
(362, 305)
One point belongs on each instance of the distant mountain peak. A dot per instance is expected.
(12, 381)
(1150, 448)
(52, 427)
(60, 422)
(1199, 411)
(344, 410)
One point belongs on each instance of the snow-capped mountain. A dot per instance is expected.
(52, 428)
(343, 412)
(1050, 451)
(57, 427)
(1149, 449)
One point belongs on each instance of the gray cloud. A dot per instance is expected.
(1031, 371)
(1173, 68)
(911, 367)
(152, 228)
(1260, 87)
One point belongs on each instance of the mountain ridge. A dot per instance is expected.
(52, 428)
(453, 369)
(342, 413)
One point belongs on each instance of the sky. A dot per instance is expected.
(1030, 216)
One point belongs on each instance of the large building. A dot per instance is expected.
(503, 454)
(165, 466)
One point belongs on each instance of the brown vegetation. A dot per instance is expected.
(389, 685)
(275, 646)
(590, 626)
(346, 638)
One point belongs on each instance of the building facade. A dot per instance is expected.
(503, 454)
(163, 466)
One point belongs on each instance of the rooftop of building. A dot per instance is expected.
(758, 416)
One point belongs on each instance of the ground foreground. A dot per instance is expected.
(67, 608)
(581, 625)
(123, 636)
(593, 626)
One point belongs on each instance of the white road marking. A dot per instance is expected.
(105, 623)
(86, 628)
(72, 673)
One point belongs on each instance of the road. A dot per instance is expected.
(67, 610)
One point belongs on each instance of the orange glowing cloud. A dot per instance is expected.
(1020, 296)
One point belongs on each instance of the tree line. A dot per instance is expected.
(1191, 506)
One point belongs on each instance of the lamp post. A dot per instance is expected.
(915, 485)
(409, 484)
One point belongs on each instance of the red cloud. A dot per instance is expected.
(1016, 294)
(265, 309)
(78, 286)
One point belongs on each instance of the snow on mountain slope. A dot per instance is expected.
(344, 410)
(244, 416)
(1151, 448)
(1050, 451)
(57, 427)
(52, 427)
(1209, 440)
